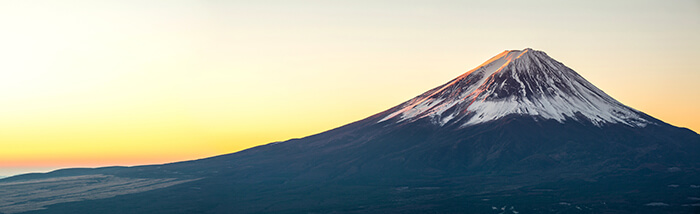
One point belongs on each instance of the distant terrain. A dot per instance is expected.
(35, 194)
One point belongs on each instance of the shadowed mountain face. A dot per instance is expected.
(521, 133)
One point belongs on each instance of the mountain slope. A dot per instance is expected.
(520, 133)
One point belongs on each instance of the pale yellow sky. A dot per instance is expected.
(92, 83)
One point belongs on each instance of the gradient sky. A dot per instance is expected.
(96, 83)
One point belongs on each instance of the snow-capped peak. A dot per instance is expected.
(524, 82)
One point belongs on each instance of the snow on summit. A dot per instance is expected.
(523, 82)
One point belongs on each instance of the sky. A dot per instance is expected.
(102, 83)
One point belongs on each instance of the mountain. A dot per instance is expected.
(521, 133)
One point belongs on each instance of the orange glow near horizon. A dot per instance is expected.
(101, 83)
